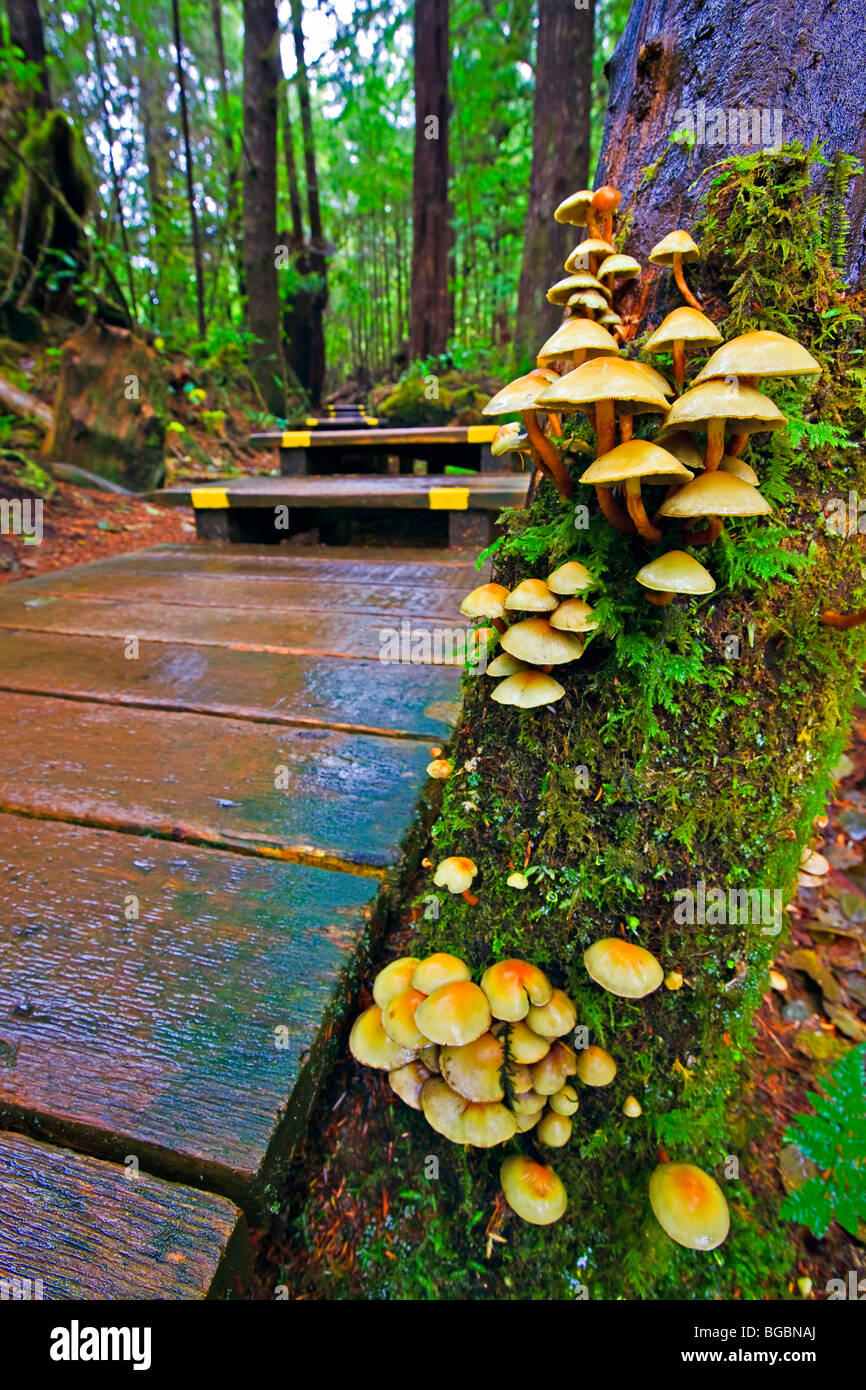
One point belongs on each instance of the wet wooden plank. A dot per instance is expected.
(309, 794)
(191, 1036)
(352, 635)
(487, 492)
(377, 437)
(76, 1227)
(360, 696)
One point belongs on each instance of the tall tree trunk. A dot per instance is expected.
(560, 157)
(26, 33)
(318, 264)
(432, 304)
(679, 776)
(261, 78)
(190, 172)
(691, 66)
(233, 211)
(109, 136)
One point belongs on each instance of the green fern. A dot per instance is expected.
(834, 1139)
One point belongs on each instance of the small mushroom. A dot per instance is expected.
(524, 1045)
(633, 463)
(408, 1082)
(623, 968)
(753, 356)
(528, 1103)
(674, 980)
(398, 1019)
(517, 880)
(519, 396)
(504, 665)
(595, 1067)
(570, 578)
(370, 1045)
(531, 596)
(574, 616)
(483, 1126)
(552, 1072)
(589, 300)
(535, 641)
(689, 1205)
(673, 573)
(714, 495)
(532, 1190)
(580, 339)
(554, 1130)
(553, 1019)
(393, 979)
(475, 1069)
(443, 1109)
(605, 201)
(577, 209)
(564, 1101)
(561, 293)
(739, 468)
(717, 406)
(454, 1015)
(455, 873)
(437, 970)
(510, 438)
(528, 689)
(487, 601)
(631, 1107)
(513, 987)
(440, 769)
(683, 326)
(586, 255)
(618, 268)
(674, 249)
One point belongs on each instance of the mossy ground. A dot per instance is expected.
(694, 743)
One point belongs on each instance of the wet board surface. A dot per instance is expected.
(194, 848)
(373, 437)
(85, 1229)
(490, 492)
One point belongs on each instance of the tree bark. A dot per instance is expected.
(190, 173)
(678, 58)
(313, 350)
(261, 78)
(432, 302)
(560, 159)
(233, 211)
(26, 33)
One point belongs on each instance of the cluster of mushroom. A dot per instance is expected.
(531, 646)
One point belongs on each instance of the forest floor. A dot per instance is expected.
(336, 1229)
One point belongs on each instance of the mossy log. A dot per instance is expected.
(109, 408)
(692, 751)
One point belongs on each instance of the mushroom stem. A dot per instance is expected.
(715, 445)
(659, 599)
(499, 625)
(578, 357)
(555, 424)
(737, 444)
(549, 458)
(706, 537)
(680, 363)
(626, 426)
(636, 510)
(605, 426)
(845, 620)
(612, 512)
(470, 897)
(681, 281)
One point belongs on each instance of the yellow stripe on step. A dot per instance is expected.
(480, 434)
(208, 498)
(448, 499)
(295, 439)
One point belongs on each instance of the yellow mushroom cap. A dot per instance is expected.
(588, 281)
(443, 1108)
(393, 979)
(811, 862)
(604, 379)
(595, 1067)
(637, 458)
(609, 318)
(455, 873)
(532, 1190)
(662, 386)
(534, 640)
(408, 1082)
(370, 1045)
(674, 980)
(684, 447)
(583, 299)
(739, 468)
(763, 353)
(521, 393)
(561, 292)
(512, 987)
(554, 1130)
(570, 578)
(398, 1019)
(575, 207)
(564, 1101)
(474, 1070)
(527, 690)
(578, 335)
(677, 573)
(684, 325)
(631, 1107)
(675, 243)
(716, 494)
(528, 1103)
(504, 665)
(440, 769)
(487, 601)
(574, 616)
(531, 596)
(551, 1073)
(524, 1045)
(747, 409)
(485, 1125)
(623, 967)
(509, 438)
(553, 1019)
(590, 246)
(689, 1205)
(517, 880)
(437, 970)
(453, 1015)
(617, 265)
(527, 1122)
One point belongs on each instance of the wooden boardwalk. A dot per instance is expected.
(209, 781)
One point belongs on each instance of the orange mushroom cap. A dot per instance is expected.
(513, 986)
(532, 1190)
(623, 968)
(455, 1014)
(689, 1205)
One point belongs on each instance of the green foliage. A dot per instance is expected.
(834, 1140)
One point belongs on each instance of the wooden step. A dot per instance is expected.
(489, 492)
(74, 1227)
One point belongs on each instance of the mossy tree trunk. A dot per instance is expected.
(692, 751)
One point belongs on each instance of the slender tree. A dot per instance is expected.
(432, 308)
(233, 211)
(26, 33)
(190, 173)
(316, 265)
(560, 156)
(261, 79)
